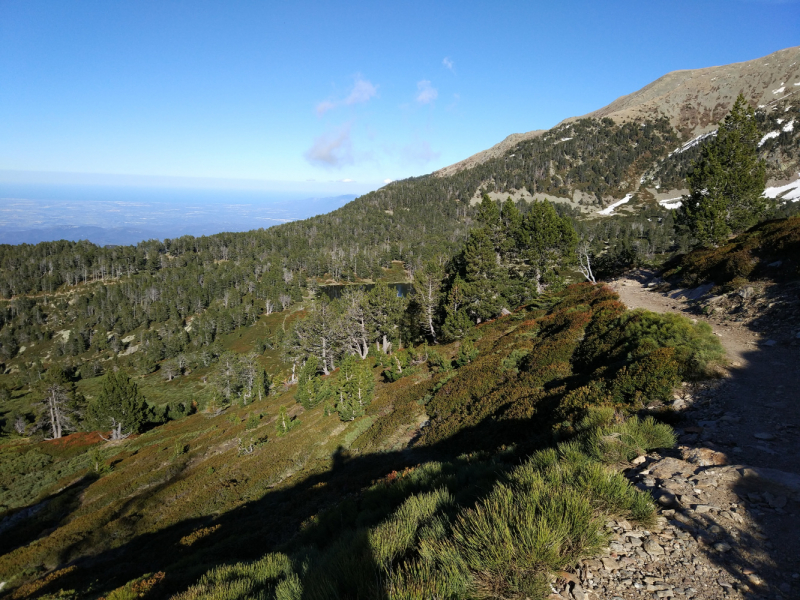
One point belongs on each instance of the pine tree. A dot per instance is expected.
(456, 322)
(119, 406)
(489, 213)
(546, 242)
(484, 279)
(284, 423)
(355, 386)
(726, 185)
(227, 377)
(307, 383)
(385, 309)
(263, 384)
(511, 220)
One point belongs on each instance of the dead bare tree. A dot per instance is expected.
(248, 372)
(585, 261)
(169, 370)
(355, 322)
(20, 425)
(56, 413)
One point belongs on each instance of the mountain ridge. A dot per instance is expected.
(688, 97)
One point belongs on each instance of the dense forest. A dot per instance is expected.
(171, 300)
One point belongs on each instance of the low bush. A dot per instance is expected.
(746, 257)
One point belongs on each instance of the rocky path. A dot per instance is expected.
(729, 523)
(759, 402)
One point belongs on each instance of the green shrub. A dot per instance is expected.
(549, 513)
(622, 442)
(634, 334)
(467, 352)
(651, 378)
(284, 424)
(437, 362)
(512, 361)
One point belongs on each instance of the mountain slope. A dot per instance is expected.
(693, 100)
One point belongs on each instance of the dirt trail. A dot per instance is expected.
(751, 418)
(758, 402)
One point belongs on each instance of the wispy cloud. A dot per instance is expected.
(426, 93)
(363, 91)
(454, 104)
(325, 106)
(333, 149)
(419, 152)
(448, 63)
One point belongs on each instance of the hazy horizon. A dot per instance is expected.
(119, 214)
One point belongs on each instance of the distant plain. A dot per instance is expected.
(129, 214)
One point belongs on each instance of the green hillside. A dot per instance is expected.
(196, 418)
(220, 487)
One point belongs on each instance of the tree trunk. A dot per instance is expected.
(325, 357)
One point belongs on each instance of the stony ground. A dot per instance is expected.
(729, 494)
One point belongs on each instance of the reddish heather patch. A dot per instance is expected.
(83, 438)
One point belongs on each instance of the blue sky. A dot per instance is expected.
(309, 95)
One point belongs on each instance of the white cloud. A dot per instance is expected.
(363, 91)
(345, 180)
(388, 180)
(448, 63)
(332, 149)
(426, 92)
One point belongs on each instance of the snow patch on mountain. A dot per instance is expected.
(789, 126)
(610, 209)
(771, 134)
(671, 203)
(694, 142)
(790, 191)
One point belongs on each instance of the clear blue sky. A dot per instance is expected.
(326, 91)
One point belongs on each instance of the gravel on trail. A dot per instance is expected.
(729, 494)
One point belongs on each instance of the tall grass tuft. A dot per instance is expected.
(394, 537)
(261, 579)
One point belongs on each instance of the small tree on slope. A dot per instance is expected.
(355, 386)
(726, 184)
(119, 406)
